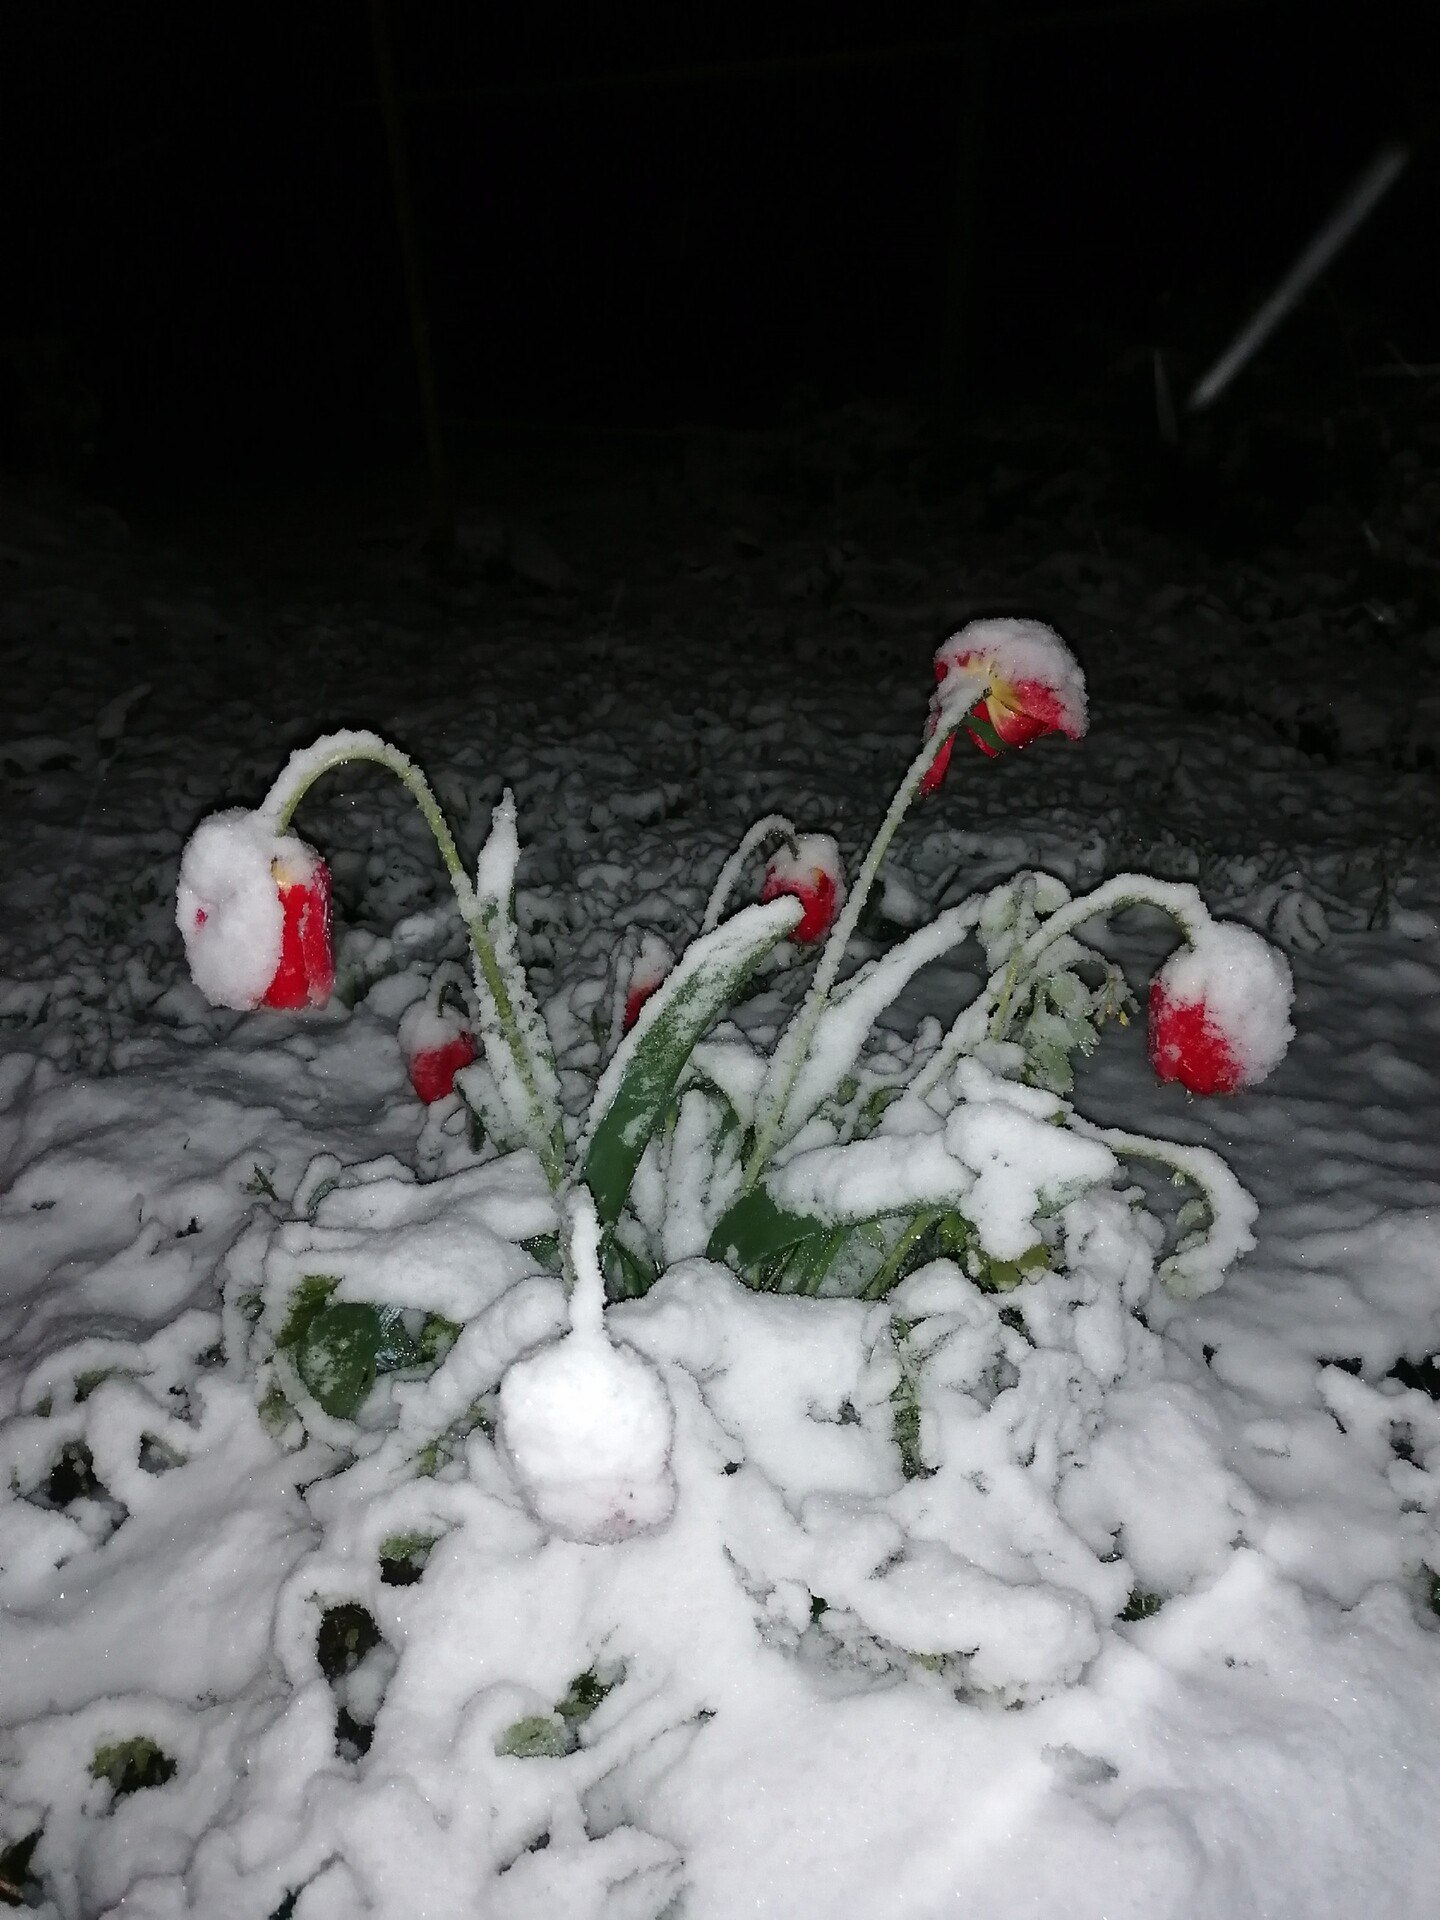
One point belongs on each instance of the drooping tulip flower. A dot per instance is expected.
(436, 1043)
(254, 910)
(306, 974)
(648, 972)
(1019, 680)
(1220, 1011)
(808, 867)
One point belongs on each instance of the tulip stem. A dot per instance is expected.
(772, 823)
(1177, 898)
(793, 1046)
(295, 780)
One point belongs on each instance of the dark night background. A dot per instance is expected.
(640, 216)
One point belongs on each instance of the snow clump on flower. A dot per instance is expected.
(254, 912)
(1220, 1011)
(587, 1425)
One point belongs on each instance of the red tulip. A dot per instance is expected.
(810, 870)
(436, 1044)
(306, 974)
(1220, 1011)
(648, 972)
(433, 1069)
(1024, 682)
(254, 910)
(1186, 1045)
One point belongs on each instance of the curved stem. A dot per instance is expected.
(310, 764)
(1177, 898)
(289, 788)
(776, 823)
(794, 1042)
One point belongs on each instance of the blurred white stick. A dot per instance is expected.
(1361, 200)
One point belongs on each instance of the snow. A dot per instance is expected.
(585, 1424)
(228, 905)
(1145, 1625)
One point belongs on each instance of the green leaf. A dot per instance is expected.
(981, 731)
(710, 975)
(1003, 1276)
(1142, 1605)
(306, 1301)
(755, 1232)
(17, 1883)
(539, 1736)
(628, 1274)
(337, 1358)
(131, 1765)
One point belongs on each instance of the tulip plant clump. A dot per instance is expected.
(832, 1163)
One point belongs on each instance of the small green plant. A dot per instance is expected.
(132, 1765)
(550, 1736)
(826, 1165)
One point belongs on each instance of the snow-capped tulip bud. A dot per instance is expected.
(254, 911)
(647, 973)
(436, 1044)
(1017, 680)
(1220, 1011)
(810, 869)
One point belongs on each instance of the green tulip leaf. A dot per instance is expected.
(637, 1090)
(338, 1356)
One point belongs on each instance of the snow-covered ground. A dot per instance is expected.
(1153, 1634)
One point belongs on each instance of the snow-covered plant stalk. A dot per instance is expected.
(517, 1048)
(1006, 682)
(985, 1017)
(795, 1043)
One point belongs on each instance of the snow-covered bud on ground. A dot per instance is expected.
(254, 910)
(586, 1425)
(1017, 679)
(1220, 1011)
(436, 1043)
(648, 971)
(809, 867)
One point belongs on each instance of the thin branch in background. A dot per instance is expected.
(1354, 209)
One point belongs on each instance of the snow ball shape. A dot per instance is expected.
(587, 1426)
(254, 911)
(1220, 1011)
(436, 1044)
(809, 868)
(1017, 677)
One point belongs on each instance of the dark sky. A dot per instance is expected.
(642, 214)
